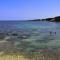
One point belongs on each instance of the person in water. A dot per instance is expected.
(51, 33)
(55, 33)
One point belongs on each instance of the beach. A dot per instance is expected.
(30, 39)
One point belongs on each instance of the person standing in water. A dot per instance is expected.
(50, 33)
(55, 33)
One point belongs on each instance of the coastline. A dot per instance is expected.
(33, 43)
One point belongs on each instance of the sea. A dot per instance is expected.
(45, 34)
(30, 40)
(40, 25)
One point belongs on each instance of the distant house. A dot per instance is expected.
(52, 20)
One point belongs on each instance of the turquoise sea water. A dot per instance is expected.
(28, 24)
(42, 34)
(31, 25)
(51, 26)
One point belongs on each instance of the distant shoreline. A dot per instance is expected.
(53, 19)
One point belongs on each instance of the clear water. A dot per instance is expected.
(39, 26)
(52, 26)
(45, 34)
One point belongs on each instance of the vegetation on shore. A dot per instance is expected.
(54, 19)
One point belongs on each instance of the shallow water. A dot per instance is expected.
(34, 35)
(39, 26)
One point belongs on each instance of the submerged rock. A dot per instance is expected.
(2, 35)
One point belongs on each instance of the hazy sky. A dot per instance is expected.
(28, 9)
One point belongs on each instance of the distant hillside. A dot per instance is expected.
(54, 19)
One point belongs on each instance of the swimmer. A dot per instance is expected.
(55, 33)
(50, 33)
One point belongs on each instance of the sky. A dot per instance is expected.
(28, 9)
